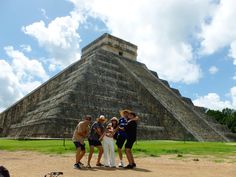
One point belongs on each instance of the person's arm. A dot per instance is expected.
(113, 131)
(102, 136)
(122, 125)
(136, 118)
(98, 131)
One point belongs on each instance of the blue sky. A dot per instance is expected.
(192, 44)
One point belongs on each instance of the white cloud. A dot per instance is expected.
(25, 67)
(213, 70)
(26, 48)
(44, 13)
(233, 96)
(234, 77)
(59, 38)
(221, 31)
(10, 86)
(161, 30)
(232, 51)
(18, 77)
(213, 101)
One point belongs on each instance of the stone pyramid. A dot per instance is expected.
(105, 80)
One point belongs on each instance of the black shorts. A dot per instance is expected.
(79, 145)
(94, 142)
(115, 136)
(129, 143)
(120, 141)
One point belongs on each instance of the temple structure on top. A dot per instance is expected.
(105, 80)
(112, 44)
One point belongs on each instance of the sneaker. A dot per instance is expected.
(77, 166)
(134, 164)
(121, 164)
(129, 166)
(107, 166)
(113, 166)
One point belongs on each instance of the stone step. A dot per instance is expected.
(109, 80)
(107, 69)
(165, 82)
(231, 136)
(111, 110)
(150, 127)
(105, 64)
(71, 81)
(112, 101)
(110, 90)
(102, 56)
(55, 98)
(108, 72)
(156, 132)
(221, 128)
(150, 120)
(187, 100)
(74, 67)
(80, 71)
(174, 104)
(205, 116)
(176, 91)
(114, 84)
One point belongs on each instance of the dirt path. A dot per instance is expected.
(31, 164)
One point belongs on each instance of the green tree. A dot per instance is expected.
(226, 117)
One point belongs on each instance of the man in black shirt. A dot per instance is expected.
(131, 131)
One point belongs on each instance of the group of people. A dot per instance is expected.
(102, 135)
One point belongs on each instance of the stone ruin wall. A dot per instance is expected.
(15, 113)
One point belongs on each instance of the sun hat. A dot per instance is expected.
(122, 112)
(115, 119)
(101, 118)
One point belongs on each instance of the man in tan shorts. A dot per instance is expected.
(80, 133)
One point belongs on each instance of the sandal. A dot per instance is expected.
(99, 165)
(88, 166)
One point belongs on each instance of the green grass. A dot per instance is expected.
(146, 148)
(45, 146)
(178, 147)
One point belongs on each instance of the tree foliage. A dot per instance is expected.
(226, 117)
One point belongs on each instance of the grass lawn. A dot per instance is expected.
(144, 148)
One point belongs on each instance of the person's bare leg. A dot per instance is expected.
(132, 157)
(81, 155)
(120, 154)
(100, 152)
(77, 156)
(91, 150)
(128, 155)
